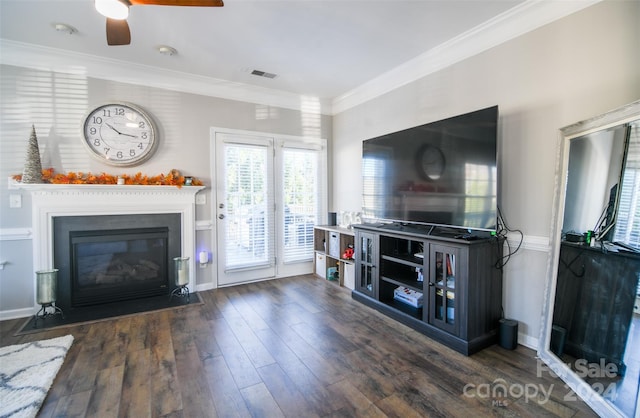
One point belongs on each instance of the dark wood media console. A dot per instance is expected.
(456, 275)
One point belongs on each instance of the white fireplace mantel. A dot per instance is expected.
(55, 200)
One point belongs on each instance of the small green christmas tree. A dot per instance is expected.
(32, 172)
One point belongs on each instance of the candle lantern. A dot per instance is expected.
(46, 290)
(181, 277)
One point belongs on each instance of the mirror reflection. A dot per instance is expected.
(596, 316)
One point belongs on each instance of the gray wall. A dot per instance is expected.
(56, 103)
(559, 74)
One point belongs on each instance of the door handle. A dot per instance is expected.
(221, 216)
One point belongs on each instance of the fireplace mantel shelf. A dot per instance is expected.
(102, 188)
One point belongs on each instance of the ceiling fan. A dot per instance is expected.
(117, 11)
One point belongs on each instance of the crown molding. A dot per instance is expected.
(59, 60)
(515, 22)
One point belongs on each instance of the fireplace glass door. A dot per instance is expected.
(108, 266)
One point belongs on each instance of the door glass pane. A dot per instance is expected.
(439, 269)
(445, 276)
(365, 278)
(451, 270)
(439, 308)
(301, 191)
(248, 212)
(451, 304)
(365, 250)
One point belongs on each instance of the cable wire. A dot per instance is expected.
(502, 232)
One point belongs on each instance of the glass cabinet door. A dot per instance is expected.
(442, 287)
(366, 258)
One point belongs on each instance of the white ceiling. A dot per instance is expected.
(325, 49)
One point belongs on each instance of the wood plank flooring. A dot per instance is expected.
(294, 347)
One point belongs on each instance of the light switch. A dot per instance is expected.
(201, 199)
(15, 201)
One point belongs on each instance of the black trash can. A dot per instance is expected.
(508, 333)
(558, 337)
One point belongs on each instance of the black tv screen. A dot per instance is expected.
(442, 173)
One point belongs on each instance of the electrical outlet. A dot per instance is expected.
(15, 201)
(201, 199)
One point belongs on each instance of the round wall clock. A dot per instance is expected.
(430, 162)
(120, 134)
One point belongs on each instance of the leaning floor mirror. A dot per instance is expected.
(590, 332)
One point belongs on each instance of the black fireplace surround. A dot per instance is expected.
(106, 259)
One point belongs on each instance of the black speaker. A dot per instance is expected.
(508, 333)
(332, 218)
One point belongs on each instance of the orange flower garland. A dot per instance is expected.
(174, 178)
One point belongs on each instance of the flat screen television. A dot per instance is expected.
(443, 173)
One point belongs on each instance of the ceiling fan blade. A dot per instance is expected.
(195, 3)
(118, 32)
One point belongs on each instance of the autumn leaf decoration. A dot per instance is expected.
(173, 178)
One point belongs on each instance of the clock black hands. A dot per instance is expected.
(118, 132)
(111, 126)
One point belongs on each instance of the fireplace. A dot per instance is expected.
(113, 207)
(112, 258)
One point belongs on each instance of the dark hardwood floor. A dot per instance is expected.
(295, 347)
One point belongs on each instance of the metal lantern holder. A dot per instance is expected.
(46, 289)
(181, 277)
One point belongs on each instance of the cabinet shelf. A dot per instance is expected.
(404, 308)
(407, 259)
(411, 284)
(330, 244)
(342, 260)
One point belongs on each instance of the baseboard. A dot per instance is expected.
(17, 313)
(203, 287)
(528, 341)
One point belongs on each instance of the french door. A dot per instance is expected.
(269, 194)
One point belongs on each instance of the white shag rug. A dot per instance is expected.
(26, 374)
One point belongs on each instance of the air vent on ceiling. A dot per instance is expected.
(263, 74)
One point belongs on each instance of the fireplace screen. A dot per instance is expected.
(108, 266)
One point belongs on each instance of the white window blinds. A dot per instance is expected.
(303, 198)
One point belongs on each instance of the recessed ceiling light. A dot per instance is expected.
(64, 28)
(167, 50)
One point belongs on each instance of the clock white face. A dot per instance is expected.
(120, 134)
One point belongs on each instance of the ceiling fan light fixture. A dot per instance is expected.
(114, 9)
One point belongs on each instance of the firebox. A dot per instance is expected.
(108, 266)
(106, 259)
